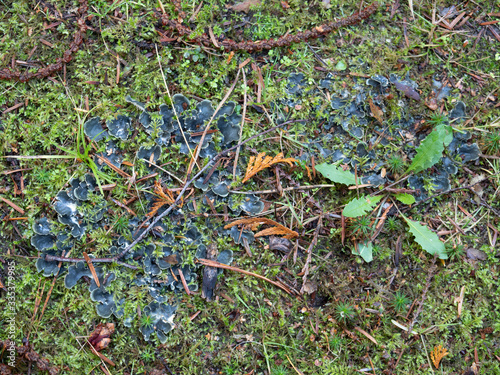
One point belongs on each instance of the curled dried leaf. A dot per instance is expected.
(100, 338)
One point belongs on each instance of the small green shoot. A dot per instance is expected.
(395, 164)
(361, 225)
(400, 302)
(344, 312)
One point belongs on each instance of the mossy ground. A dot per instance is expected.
(256, 328)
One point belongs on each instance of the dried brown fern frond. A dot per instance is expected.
(253, 224)
(437, 355)
(163, 197)
(262, 161)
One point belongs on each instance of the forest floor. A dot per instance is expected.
(370, 245)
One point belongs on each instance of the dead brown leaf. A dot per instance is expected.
(376, 111)
(310, 287)
(100, 338)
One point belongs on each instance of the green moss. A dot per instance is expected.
(259, 327)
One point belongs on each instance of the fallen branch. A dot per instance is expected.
(259, 45)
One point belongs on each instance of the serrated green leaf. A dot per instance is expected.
(336, 174)
(360, 206)
(446, 132)
(405, 198)
(431, 148)
(364, 250)
(427, 239)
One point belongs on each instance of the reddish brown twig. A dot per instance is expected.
(177, 26)
(259, 45)
(16, 75)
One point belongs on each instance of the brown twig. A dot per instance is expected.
(212, 263)
(15, 75)
(305, 269)
(424, 295)
(92, 269)
(252, 46)
(242, 122)
(391, 185)
(183, 280)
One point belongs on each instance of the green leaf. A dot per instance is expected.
(360, 206)
(336, 174)
(431, 149)
(427, 239)
(405, 198)
(341, 65)
(364, 250)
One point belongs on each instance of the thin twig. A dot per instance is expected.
(447, 192)
(424, 295)
(197, 153)
(314, 241)
(484, 204)
(303, 187)
(212, 263)
(173, 105)
(50, 258)
(391, 185)
(183, 280)
(163, 170)
(427, 354)
(242, 121)
(50, 290)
